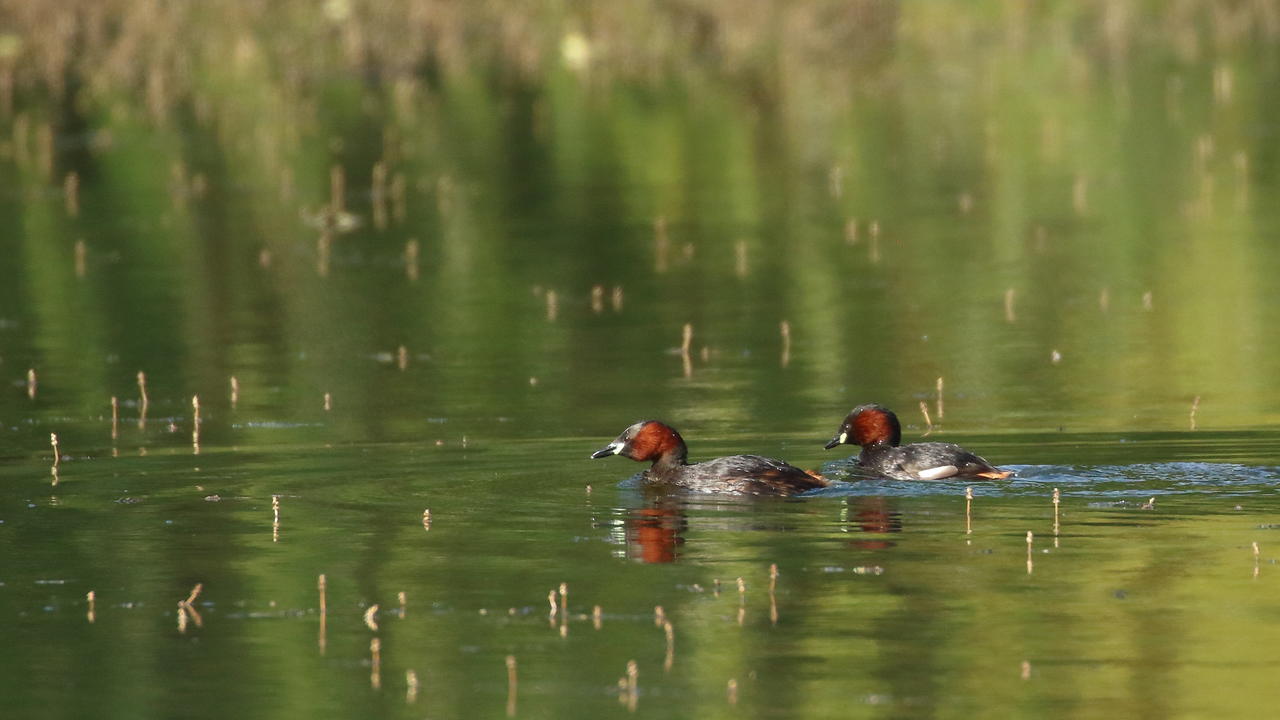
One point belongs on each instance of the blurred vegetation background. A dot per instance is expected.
(918, 189)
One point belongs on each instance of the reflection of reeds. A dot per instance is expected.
(512, 687)
(410, 687)
(411, 250)
(785, 329)
(669, 631)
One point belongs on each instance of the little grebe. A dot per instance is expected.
(659, 443)
(877, 430)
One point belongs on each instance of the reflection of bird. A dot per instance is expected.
(877, 430)
(654, 534)
(656, 442)
(873, 515)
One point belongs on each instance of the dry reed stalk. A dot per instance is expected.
(71, 192)
(1257, 559)
(1195, 405)
(597, 617)
(328, 402)
(512, 686)
(32, 383)
(195, 424)
(57, 453)
(1057, 499)
(143, 401)
(275, 522)
(686, 341)
(968, 510)
(670, 658)
(633, 685)
(785, 328)
(939, 386)
(411, 687)
(81, 258)
(426, 519)
(773, 599)
(321, 640)
(92, 598)
(1030, 537)
(402, 358)
(375, 663)
(115, 418)
(235, 392)
(928, 421)
(1025, 672)
(403, 598)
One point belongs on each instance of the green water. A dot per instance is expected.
(1065, 215)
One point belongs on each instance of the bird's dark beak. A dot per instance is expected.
(838, 439)
(606, 451)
